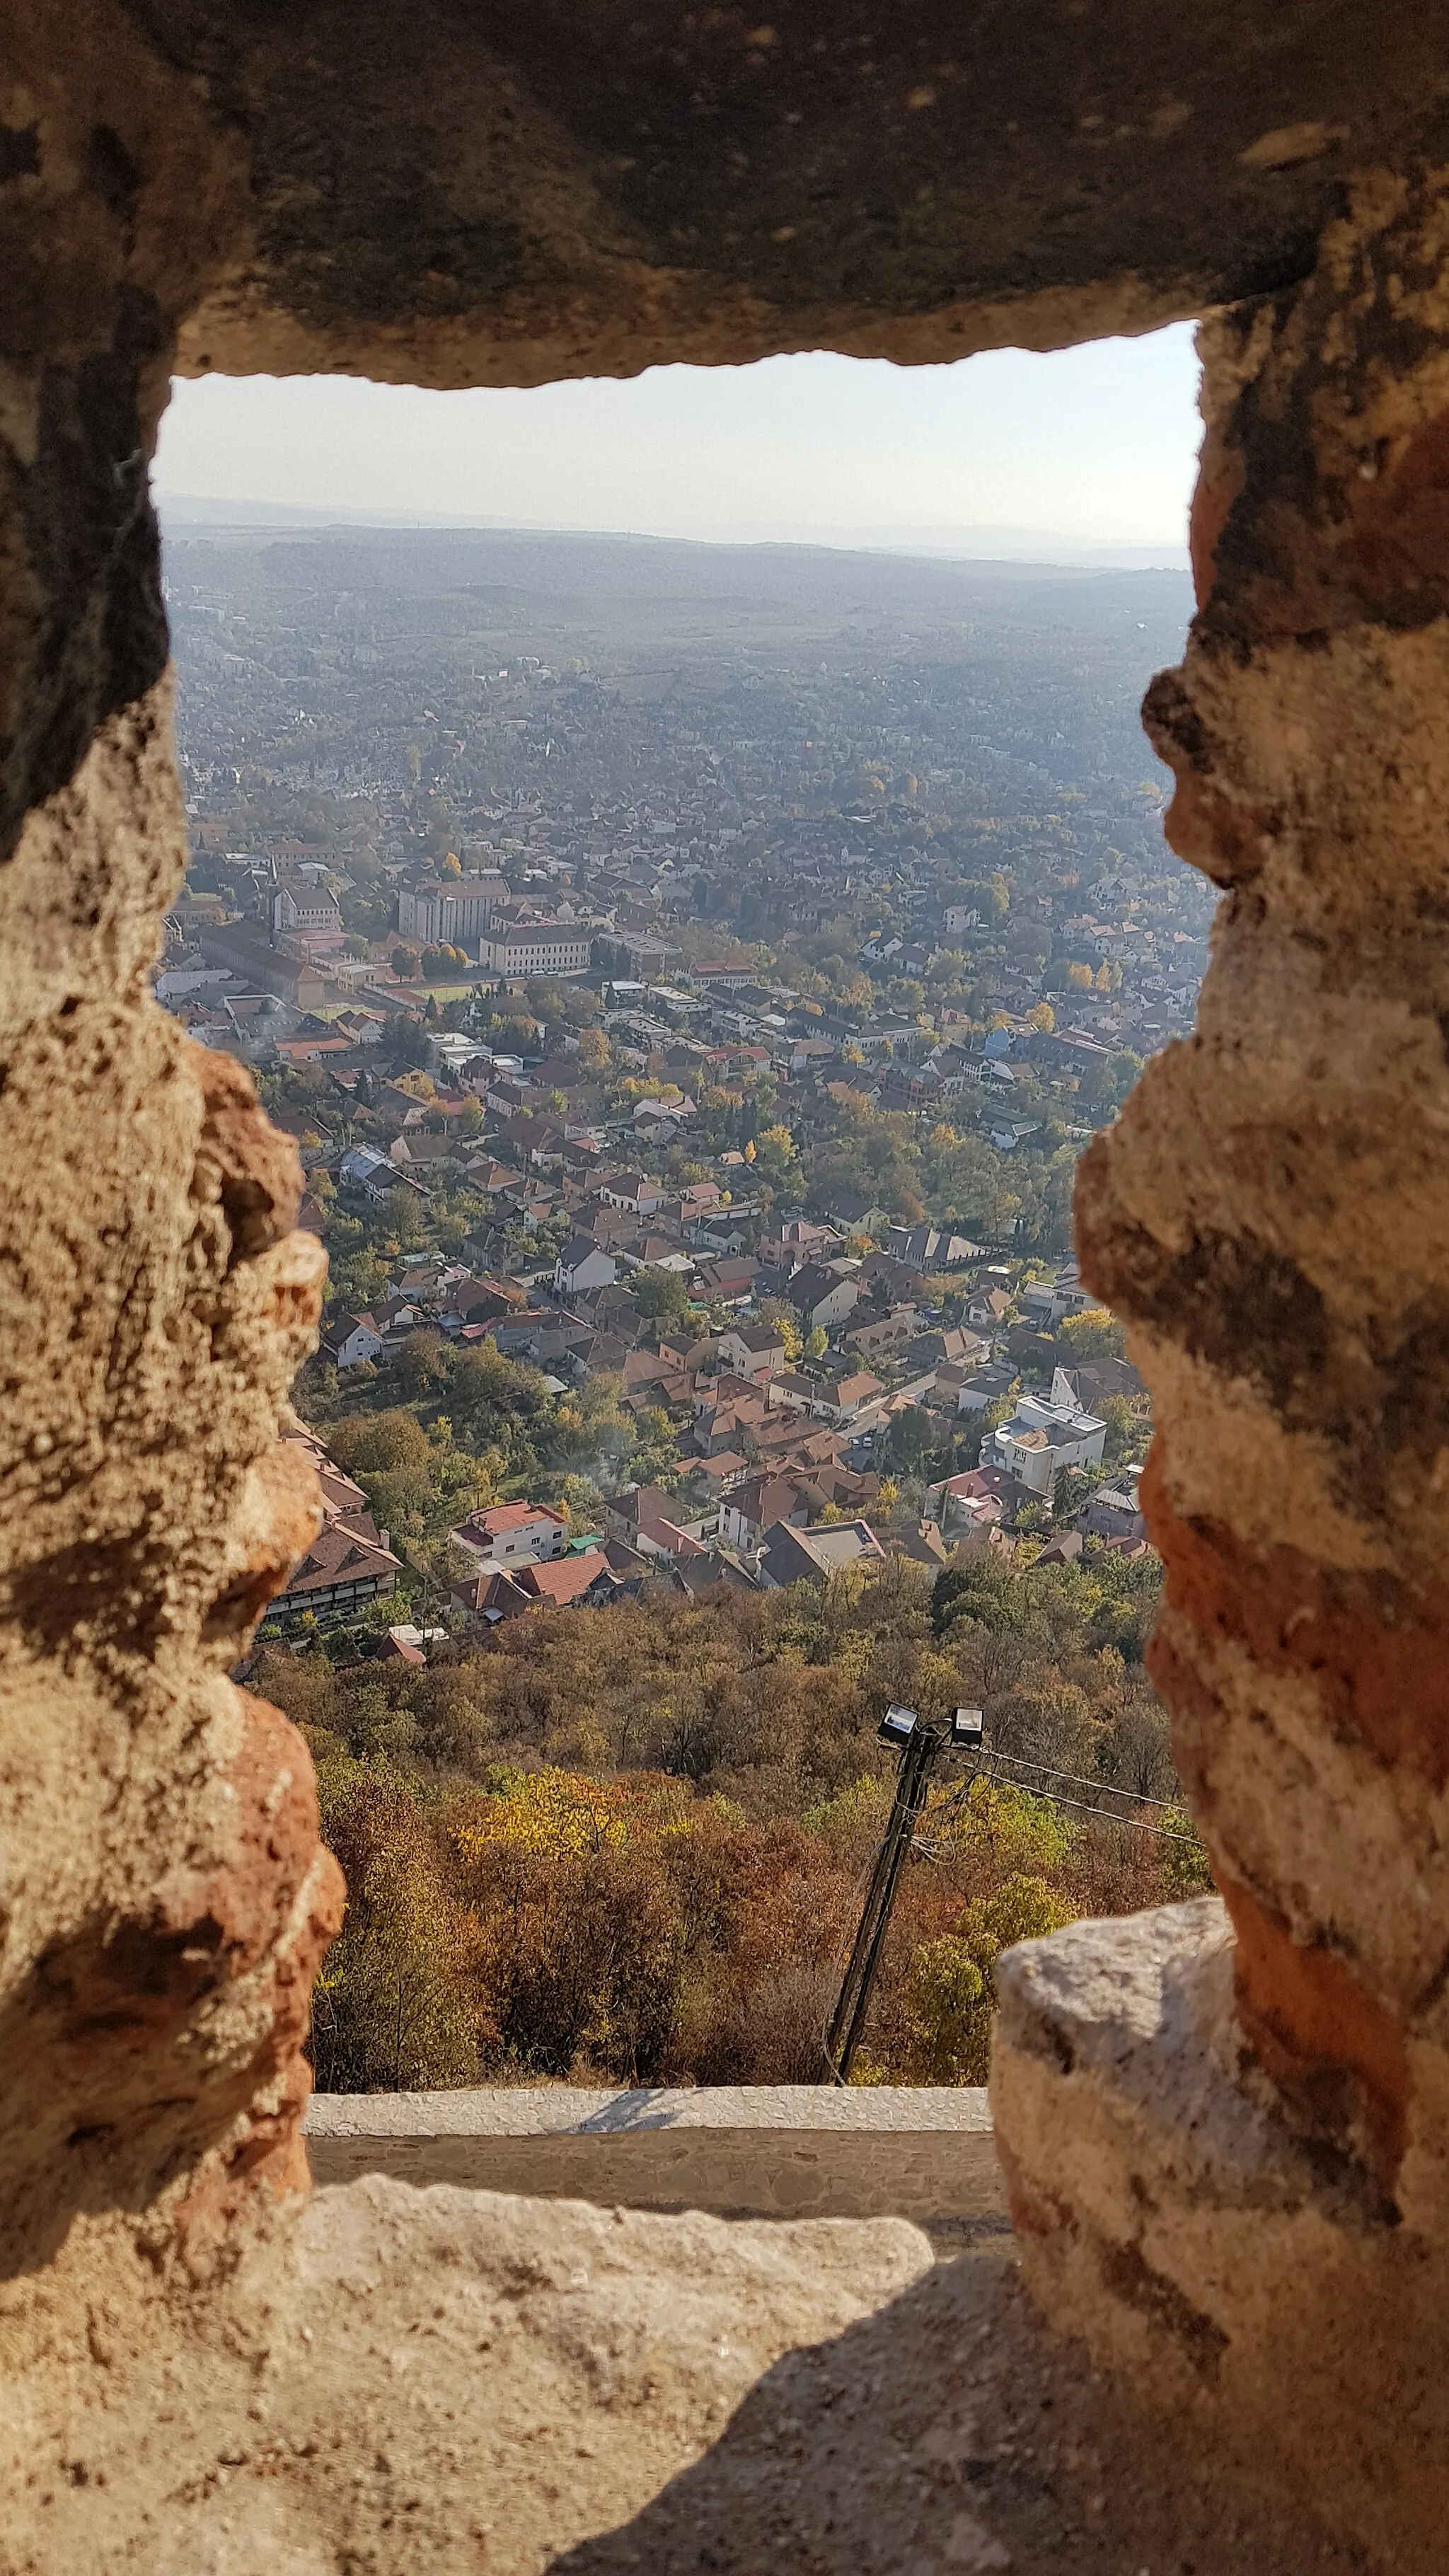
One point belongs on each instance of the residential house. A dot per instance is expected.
(793, 1390)
(582, 1265)
(918, 1246)
(978, 1500)
(726, 1282)
(722, 1232)
(812, 1556)
(1046, 1301)
(986, 1307)
(419, 1153)
(788, 1247)
(985, 1386)
(754, 1352)
(1112, 1513)
(821, 1297)
(349, 1562)
(511, 1534)
(924, 1545)
(646, 1518)
(633, 1191)
(372, 1173)
(1040, 1439)
(883, 1332)
(568, 1583)
(1088, 1385)
(841, 1399)
(350, 1339)
(755, 1508)
(850, 1213)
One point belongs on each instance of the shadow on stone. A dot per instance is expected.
(950, 2432)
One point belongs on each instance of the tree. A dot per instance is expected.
(817, 1342)
(911, 1439)
(395, 2006)
(952, 1984)
(777, 1162)
(404, 963)
(1095, 1334)
(404, 1044)
(422, 1364)
(659, 1294)
(404, 1219)
(779, 1312)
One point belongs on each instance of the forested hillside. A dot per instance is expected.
(630, 1847)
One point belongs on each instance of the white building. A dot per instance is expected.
(513, 1534)
(351, 1340)
(582, 1265)
(1040, 1440)
(450, 913)
(536, 948)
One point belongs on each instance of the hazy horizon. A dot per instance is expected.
(1082, 455)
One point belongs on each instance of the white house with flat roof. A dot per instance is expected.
(1040, 1440)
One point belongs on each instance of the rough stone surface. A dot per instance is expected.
(201, 2375)
(1227, 2150)
(1166, 2211)
(451, 2381)
(739, 2150)
(1271, 1213)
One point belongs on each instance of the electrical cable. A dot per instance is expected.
(1134, 1824)
(1054, 1798)
(1108, 1788)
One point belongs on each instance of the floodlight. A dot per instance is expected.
(968, 1730)
(898, 1726)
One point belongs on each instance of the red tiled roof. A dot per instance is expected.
(565, 1579)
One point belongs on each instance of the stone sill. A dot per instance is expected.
(738, 2151)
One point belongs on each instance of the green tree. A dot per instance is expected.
(911, 1439)
(1094, 1335)
(952, 1984)
(659, 1295)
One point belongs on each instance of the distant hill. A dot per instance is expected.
(543, 585)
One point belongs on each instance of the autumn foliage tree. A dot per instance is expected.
(628, 1845)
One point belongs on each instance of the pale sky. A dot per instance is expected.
(1096, 444)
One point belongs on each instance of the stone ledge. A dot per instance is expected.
(468, 2385)
(759, 2151)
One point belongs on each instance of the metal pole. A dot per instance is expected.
(853, 2003)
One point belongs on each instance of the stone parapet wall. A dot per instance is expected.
(739, 2151)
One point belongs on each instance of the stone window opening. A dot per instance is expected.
(1224, 2127)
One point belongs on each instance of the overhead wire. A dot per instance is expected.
(1055, 1798)
(1108, 1788)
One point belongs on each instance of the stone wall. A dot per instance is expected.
(1228, 2133)
(740, 2151)
(1222, 2143)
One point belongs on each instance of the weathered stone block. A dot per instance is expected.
(1244, 2276)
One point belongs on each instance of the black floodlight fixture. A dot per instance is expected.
(897, 1727)
(968, 1730)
